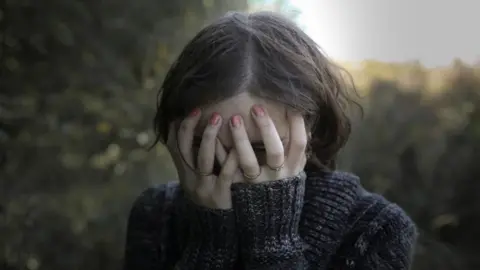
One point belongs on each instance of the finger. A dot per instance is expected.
(171, 133)
(271, 139)
(172, 137)
(185, 136)
(229, 169)
(298, 139)
(246, 155)
(220, 152)
(206, 152)
(172, 145)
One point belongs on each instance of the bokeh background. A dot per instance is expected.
(78, 88)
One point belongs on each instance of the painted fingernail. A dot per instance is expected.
(258, 111)
(195, 112)
(214, 119)
(235, 120)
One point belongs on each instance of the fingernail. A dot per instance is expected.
(195, 112)
(258, 111)
(214, 119)
(235, 120)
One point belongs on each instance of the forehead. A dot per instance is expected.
(241, 105)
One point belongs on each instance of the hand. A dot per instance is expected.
(201, 185)
(278, 164)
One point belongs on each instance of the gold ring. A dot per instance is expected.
(253, 177)
(278, 168)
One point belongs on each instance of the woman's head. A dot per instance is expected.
(260, 58)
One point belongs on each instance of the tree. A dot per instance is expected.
(79, 81)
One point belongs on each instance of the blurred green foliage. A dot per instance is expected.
(78, 89)
(419, 145)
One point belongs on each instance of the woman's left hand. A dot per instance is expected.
(279, 165)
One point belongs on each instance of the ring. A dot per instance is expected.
(253, 177)
(202, 173)
(278, 168)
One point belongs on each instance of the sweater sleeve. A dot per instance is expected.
(151, 243)
(268, 217)
(212, 243)
(387, 244)
(147, 244)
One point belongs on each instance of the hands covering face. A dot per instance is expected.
(240, 163)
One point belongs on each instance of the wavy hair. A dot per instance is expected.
(268, 56)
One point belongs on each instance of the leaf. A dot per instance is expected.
(103, 127)
(208, 3)
(444, 220)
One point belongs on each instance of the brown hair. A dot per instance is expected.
(267, 55)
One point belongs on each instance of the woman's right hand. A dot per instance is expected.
(212, 225)
(199, 182)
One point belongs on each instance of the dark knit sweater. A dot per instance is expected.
(323, 221)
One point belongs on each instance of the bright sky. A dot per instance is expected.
(433, 31)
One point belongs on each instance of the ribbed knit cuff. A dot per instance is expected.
(329, 201)
(268, 215)
(212, 228)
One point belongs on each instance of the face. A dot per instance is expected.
(241, 105)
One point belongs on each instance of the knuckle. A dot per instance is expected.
(243, 140)
(201, 163)
(276, 154)
(300, 143)
(250, 168)
(265, 123)
(209, 134)
(239, 132)
(184, 127)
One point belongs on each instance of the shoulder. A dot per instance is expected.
(365, 210)
(378, 232)
(147, 243)
(376, 222)
(360, 221)
(373, 215)
(150, 207)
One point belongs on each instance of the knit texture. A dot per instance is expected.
(311, 221)
(268, 217)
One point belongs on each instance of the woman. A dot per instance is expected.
(253, 115)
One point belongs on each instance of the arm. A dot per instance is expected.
(151, 244)
(348, 228)
(390, 246)
(147, 243)
(268, 216)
